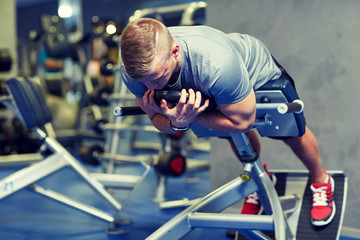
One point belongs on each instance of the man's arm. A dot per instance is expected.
(236, 117)
(160, 121)
(168, 115)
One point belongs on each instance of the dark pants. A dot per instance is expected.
(284, 74)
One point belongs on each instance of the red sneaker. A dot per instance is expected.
(252, 204)
(323, 207)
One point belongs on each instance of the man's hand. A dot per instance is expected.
(185, 111)
(150, 103)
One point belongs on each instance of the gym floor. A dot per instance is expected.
(26, 215)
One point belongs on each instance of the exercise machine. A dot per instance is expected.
(186, 14)
(28, 103)
(171, 158)
(279, 114)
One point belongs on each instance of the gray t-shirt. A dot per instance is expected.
(222, 66)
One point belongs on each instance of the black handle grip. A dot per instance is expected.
(127, 111)
(296, 106)
(172, 96)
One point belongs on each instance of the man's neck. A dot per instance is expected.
(174, 77)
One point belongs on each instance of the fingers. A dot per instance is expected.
(149, 101)
(187, 99)
(198, 100)
(204, 106)
(194, 101)
(164, 106)
(192, 98)
(152, 98)
(183, 98)
(185, 111)
(146, 98)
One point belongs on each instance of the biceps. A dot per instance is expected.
(242, 112)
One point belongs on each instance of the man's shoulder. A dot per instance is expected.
(193, 31)
(136, 87)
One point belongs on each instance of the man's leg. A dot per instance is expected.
(254, 140)
(306, 148)
(252, 203)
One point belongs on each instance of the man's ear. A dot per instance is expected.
(175, 49)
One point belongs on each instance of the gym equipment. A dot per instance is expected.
(19, 160)
(173, 96)
(171, 164)
(107, 67)
(90, 154)
(186, 14)
(14, 137)
(279, 114)
(57, 43)
(173, 159)
(100, 96)
(28, 103)
(5, 60)
(109, 155)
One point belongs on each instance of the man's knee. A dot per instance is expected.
(291, 141)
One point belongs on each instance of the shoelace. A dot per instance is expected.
(252, 198)
(319, 196)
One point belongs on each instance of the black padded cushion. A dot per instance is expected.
(290, 94)
(30, 102)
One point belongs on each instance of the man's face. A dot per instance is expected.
(160, 76)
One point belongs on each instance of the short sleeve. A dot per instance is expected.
(136, 87)
(231, 82)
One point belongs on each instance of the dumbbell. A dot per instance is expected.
(107, 67)
(96, 125)
(90, 154)
(171, 164)
(99, 96)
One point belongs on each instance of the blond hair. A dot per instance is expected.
(143, 42)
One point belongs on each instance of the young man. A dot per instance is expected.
(225, 67)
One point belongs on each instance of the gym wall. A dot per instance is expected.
(318, 44)
(8, 35)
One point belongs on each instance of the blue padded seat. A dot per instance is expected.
(30, 102)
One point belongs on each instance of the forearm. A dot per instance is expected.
(236, 117)
(213, 120)
(162, 123)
